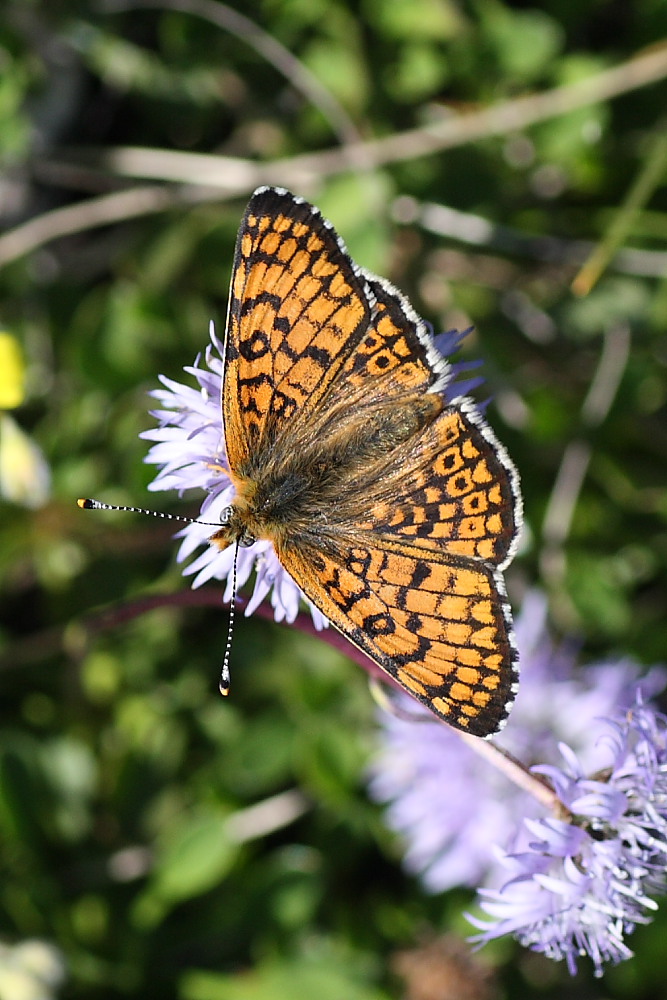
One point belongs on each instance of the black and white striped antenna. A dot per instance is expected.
(88, 504)
(224, 673)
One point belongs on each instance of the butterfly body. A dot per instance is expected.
(298, 487)
(393, 508)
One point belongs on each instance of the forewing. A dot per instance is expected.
(439, 625)
(298, 307)
(397, 349)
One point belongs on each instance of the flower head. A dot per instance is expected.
(189, 450)
(30, 969)
(581, 885)
(25, 476)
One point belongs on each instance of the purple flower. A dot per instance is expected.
(582, 883)
(190, 452)
(450, 808)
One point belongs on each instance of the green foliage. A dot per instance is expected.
(127, 837)
(314, 975)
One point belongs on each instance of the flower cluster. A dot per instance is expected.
(422, 768)
(582, 884)
(25, 476)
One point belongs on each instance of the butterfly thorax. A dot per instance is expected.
(294, 486)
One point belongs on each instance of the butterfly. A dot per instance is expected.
(394, 510)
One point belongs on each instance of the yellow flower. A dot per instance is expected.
(12, 372)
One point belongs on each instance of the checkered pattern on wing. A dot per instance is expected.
(439, 625)
(451, 494)
(297, 308)
(397, 348)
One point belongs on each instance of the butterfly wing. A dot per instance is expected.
(455, 485)
(304, 318)
(397, 351)
(298, 307)
(455, 490)
(440, 625)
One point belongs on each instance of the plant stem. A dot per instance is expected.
(517, 772)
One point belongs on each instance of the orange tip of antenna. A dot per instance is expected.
(224, 688)
(84, 503)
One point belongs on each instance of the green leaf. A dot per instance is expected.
(194, 856)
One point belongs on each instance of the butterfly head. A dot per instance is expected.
(247, 519)
(236, 528)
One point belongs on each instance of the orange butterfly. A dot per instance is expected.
(393, 510)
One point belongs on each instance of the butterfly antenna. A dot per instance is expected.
(224, 673)
(88, 504)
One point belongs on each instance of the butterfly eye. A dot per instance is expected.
(246, 540)
(226, 515)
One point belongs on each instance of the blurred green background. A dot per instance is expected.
(131, 833)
